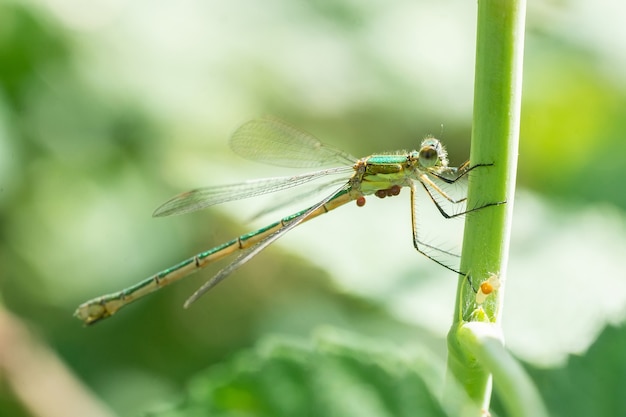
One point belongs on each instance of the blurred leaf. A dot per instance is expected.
(338, 375)
(572, 122)
(566, 280)
(588, 385)
(29, 44)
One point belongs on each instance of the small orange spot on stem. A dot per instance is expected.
(486, 287)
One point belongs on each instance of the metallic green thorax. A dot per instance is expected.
(384, 171)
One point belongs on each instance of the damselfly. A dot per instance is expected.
(276, 142)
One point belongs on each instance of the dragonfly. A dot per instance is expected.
(274, 141)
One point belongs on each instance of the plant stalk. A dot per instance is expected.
(495, 137)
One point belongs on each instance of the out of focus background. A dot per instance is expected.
(110, 107)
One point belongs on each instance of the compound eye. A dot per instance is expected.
(428, 156)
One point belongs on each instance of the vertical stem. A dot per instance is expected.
(495, 137)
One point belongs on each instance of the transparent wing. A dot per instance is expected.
(435, 235)
(452, 174)
(275, 142)
(447, 190)
(251, 252)
(208, 196)
(284, 201)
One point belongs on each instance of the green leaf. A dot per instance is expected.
(589, 385)
(337, 374)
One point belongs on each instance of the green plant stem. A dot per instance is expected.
(495, 137)
(514, 386)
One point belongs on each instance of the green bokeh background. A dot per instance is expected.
(109, 108)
